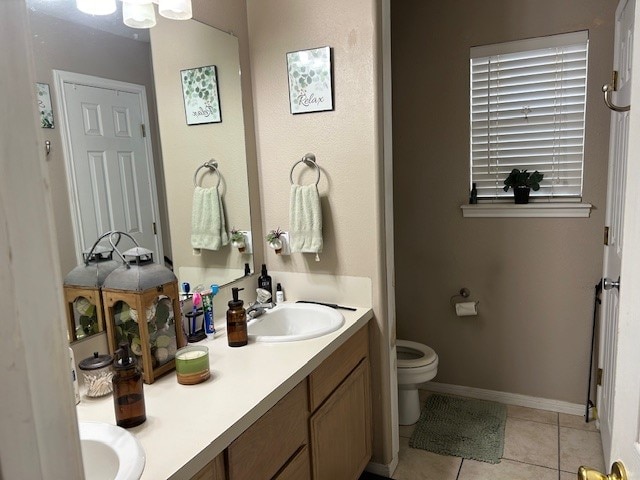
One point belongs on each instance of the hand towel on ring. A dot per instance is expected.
(305, 219)
(208, 226)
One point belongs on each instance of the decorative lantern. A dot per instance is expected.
(85, 315)
(142, 308)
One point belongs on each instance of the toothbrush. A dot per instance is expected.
(186, 288)
(197, 301)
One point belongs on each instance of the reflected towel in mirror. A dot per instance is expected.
(208, 226)
(305, 219)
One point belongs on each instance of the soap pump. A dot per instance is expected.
(128, 396)
(236, 321)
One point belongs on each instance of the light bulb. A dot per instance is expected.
(137, 15)
(175, 9)
(96, 7)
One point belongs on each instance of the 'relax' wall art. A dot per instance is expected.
(200, 92)
(310, 80)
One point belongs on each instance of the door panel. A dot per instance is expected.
(619, 394)
(111, 166)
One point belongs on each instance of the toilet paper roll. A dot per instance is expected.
(465, 309)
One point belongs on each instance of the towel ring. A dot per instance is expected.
(212, 165)
(309, 159)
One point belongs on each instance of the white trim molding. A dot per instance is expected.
(507, 398)
(541, 210)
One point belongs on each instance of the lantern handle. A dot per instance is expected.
(104, 235)
(114, 232)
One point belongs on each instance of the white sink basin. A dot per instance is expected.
(293, 322)
(110, 452)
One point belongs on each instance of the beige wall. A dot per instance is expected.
(345, 142)
(61, 45)
(186, 147)
(534, 278)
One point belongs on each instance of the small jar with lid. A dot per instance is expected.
(97, 373)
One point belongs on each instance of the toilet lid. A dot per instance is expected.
(414, 354)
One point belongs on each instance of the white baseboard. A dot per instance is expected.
(382, 469)
(507, 398)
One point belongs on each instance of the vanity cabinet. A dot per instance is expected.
(320, 430)
(340, 399)
(274, 442)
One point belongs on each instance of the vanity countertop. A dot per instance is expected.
(189, 425)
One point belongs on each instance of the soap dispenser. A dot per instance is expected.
(128, 396)
(236, 321)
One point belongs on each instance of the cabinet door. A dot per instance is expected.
(341, 429)
(298, 468)
(326, 378)
(266, 446)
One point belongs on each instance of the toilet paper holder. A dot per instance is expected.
(463, 292)
(465, 308)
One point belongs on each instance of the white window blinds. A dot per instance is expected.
(528, 112)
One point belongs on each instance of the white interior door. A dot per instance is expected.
(619, 394)
(109, 160)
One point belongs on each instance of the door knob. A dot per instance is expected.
(617, 473)
(609, 284)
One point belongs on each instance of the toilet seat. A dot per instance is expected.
(414, 354)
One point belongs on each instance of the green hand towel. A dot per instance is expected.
(305, 219)
(208, 226)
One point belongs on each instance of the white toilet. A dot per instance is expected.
(417, 364)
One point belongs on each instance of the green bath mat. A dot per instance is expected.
(462, 427)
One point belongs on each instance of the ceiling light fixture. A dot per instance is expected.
(96, 7)
(139, 13)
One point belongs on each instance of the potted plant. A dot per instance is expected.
(274, 240)
(238, 240)
(522, 183)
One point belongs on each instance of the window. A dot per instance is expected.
(528, 112)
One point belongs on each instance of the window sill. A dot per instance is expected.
(541, 210)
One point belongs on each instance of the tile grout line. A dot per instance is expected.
(529, 463)
(460, 469)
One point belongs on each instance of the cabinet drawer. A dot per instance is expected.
(266, 446)
(213, 471)
(326, 378)
(299, 468)
(340, 431)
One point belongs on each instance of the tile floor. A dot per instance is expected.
(539, 445)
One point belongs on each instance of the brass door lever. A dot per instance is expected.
(617, 473)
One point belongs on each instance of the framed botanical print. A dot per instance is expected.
(200, 93)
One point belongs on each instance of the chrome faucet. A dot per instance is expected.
(260, 306)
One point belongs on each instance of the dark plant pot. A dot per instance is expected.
(521, 195)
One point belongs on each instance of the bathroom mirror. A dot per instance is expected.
(67, 40)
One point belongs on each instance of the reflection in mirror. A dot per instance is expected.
(188, 142)
(83, 46)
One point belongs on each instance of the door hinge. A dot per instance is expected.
(599, 377)
(144, 130)
(606, 235)
(155, 230)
